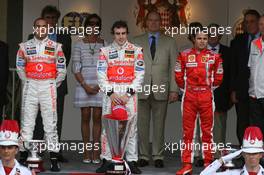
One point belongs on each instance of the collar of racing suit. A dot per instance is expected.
(118, 47)
(194, 50)
(41, 41)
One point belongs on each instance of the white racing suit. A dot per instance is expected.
(120, 70)
(17, 169)
(212, 168)
(41, 67)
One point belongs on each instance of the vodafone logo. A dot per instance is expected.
(7, 135)
(39, 67)
(120, 71)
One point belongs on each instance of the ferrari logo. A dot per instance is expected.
(191, 58)
(204, 58)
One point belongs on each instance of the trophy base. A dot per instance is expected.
(116, 168)
(37, 166)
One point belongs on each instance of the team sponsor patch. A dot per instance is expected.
(205, 58)
(129, 51)
(140, 56)
(61, 66)
(178, 66)
(20, 62)
(220, 69)
(211, 61)
(101, 69)
(191, 64)
(101, 66)
(140, 63)
(102, 56)
(60, 54)
(20, 53)
(113, 54)
(191, 58)
(50, 43)
(129, 54)
(101, 63)
(31, 48)
(61, 60)
(49, 51)
(139, 68)
(130, 46)
(31, 51)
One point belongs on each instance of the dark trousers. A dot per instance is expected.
(39, 132)
(242, 111)
(257, 113)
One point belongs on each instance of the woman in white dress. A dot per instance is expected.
(87, 96)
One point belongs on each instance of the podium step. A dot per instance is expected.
(76, 167)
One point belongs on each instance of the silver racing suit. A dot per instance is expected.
(41, 67)
(121, 70)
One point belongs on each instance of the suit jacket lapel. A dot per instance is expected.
(221, 51)
(246, 44)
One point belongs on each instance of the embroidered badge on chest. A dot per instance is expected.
(49, 51)
(113, 54)
(31, 51)
(191, 58)
(129, 54)
(205, 58)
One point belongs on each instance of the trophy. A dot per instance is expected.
(117, 131)
(230, 164)
(34, 161)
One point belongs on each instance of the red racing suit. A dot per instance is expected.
(41, 67)
(197, 74)
(120, 69)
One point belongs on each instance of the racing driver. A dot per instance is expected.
(120, 75)
(198, 71)
(41, 67)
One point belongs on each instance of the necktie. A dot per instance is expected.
(153, 47)
(213, 49)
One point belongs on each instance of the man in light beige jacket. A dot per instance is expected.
(159, 88)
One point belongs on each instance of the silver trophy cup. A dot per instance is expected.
(34, 161)
(117, 132)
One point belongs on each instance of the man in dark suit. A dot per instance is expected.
(222, 93)
(240, 46)
(51, 14)
(3, 75)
